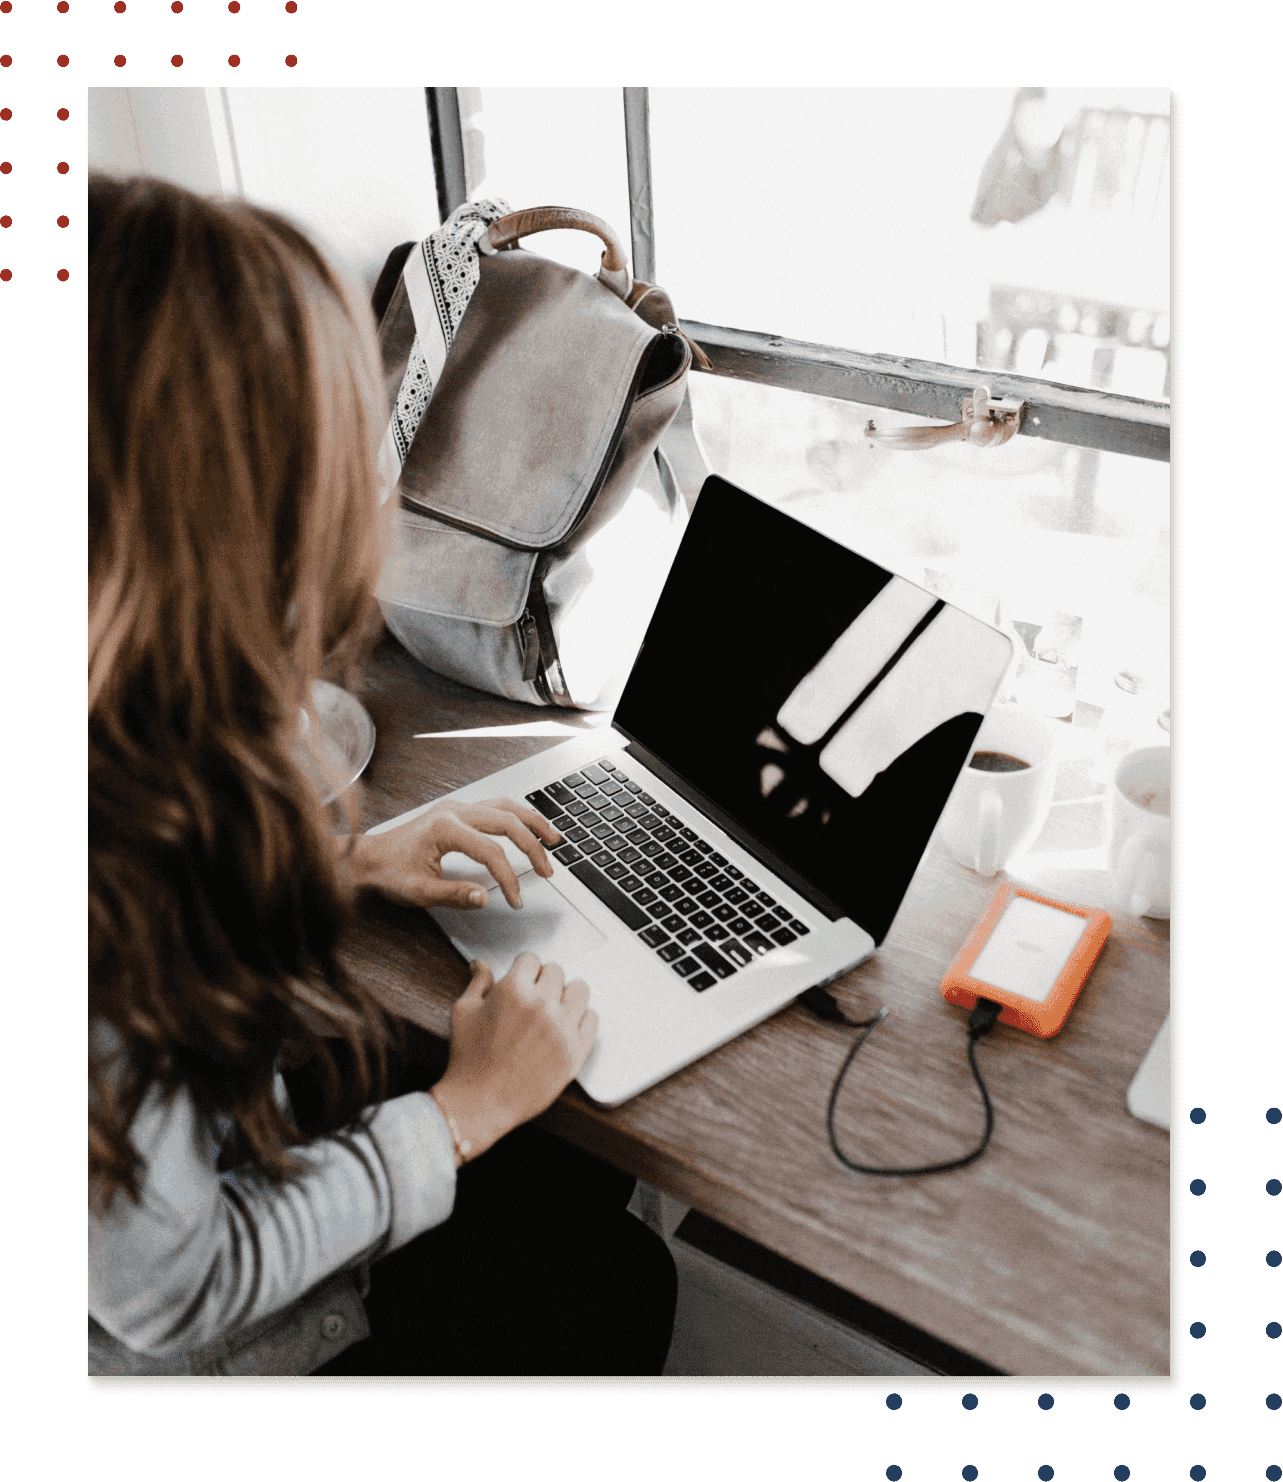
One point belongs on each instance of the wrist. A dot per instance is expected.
(474, 1123)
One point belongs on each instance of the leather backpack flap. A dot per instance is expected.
(531, 405)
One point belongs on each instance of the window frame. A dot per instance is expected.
(1080, 416)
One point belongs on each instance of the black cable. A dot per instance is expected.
(983, 1017)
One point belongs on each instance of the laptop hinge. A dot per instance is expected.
(781, 867)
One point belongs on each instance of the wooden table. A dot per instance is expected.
(1047, 1256)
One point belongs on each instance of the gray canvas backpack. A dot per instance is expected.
(543, 469)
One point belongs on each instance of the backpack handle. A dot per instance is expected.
(508, 230)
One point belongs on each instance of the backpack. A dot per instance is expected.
(543, 470)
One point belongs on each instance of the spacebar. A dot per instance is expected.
(610, 895)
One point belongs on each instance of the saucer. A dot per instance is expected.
(337, 756)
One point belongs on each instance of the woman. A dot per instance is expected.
(236, 530)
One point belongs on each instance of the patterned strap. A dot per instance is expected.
(439, 277)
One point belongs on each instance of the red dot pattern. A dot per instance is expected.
(63, 114)
(62, 60)
(291, 61)
(7, 61)
(6, 114)
(234, 7)
(5, 167)
(63, 167)
(175, 60)
(63, 275)
(120, 7)
(6, 221)
(63, 7)
(64, 221)
(290, 6)
(5, 6)
(177, 7)
(233, 61)
(5, 275)
(119, 60)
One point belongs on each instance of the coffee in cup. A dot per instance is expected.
(999, 804)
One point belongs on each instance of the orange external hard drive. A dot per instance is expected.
(1032, 955)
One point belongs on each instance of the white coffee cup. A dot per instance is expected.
(1140, 833)
(993, 816)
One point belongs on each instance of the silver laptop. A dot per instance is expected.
(749, 823)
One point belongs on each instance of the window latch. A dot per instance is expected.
(987, 422)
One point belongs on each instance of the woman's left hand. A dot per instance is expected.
(405, 863)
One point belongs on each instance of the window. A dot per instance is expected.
(1027, 249)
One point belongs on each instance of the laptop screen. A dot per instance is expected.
(826, 705)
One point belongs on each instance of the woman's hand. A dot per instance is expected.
(515, 1045)
(405, 863)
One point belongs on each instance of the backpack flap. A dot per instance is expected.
(530, 406)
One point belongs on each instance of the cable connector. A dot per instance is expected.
(983, 1017)
(824, 1006)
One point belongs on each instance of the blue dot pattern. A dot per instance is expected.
(969, 1474)
(1197, 1258)
(1045, 1402)
(894, 1473)
(1121, 1474)
(1045, 1473)
(1273, 1258)
(1272, 1330)
(894, 1402)
(1274, 1116)
(1197, 1401)
(1197, 1472)
(1198, 1115)
(1274, 1401)
(1196, 1330)
(1121, 1402)
(1273, 1187)
(969, 1402)
(1198, 1187)
(1273, 1474)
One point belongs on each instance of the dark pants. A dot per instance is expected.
(540, 1270)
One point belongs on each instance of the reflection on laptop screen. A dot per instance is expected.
(825, 704)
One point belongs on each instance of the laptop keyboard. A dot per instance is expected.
(685, 901)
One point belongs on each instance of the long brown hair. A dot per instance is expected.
(234, 543)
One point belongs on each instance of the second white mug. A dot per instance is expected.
(994, 815)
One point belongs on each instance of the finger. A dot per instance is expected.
(461, 894)
(531, 817)
(523, 973)
(463, 837)
(494, 819)
(479, 984)
(574, 999)
(587, 1033)
(549, 982)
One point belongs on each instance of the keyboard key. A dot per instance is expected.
(611, 787)
(586, 791)
(643, 867)
(669, 952)
(687, 935)
(654, 936)
(648, 821)
(711, 957)
(752, 908)
(723, 912)
(643, 897)
(627, 856)
(541, 802)
(800, 927)
(633, 787)
(672, 892)
(701, 919)
(636, 809)
(701, 981)
(721, 882)
(616, 843)
(664, 833)
(688, 834)
(740, 927)
(573, 780)
(705, 868)
(577, 834)
(691, 857)
(677, 871)
(662, 811)
(659, 909)
(594, 846)
(615, 870)
(737, 951)
(766, 900)
(577, 807)
(783, 937)
(708, 899)
(560, 793)
(685, 905)
(716, 933)
(738, 896)
(567, 854)
(602, 831)
(610, 813)
(650, 849)
(703, 847)
(768, 923)
(610, 895)
(636, 835)
(605, 763)
(630, 883)
(595, 774)
(720, 859)
(757, 942)
(733, 872)
(685, 966)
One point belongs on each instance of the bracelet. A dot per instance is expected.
(462, 1145)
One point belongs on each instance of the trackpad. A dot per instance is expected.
(547, 925)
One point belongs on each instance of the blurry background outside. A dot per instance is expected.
(1021, 230)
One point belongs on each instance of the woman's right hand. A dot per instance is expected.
(515, 1045)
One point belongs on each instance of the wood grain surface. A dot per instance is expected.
(1050, 1255)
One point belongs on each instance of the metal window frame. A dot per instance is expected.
(1086, 418)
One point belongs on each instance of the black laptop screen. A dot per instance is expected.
(824, 704)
